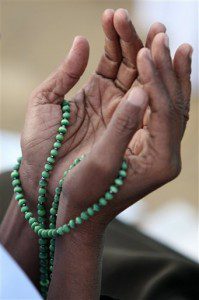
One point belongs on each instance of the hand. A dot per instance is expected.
(92, 108)
(152, 143)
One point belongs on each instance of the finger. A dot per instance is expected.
(130, 45)
(54, 88)
(182, 68)
(163, 62)
(151, 81)
(126, 121)
(162, 114)
(110, 60)
(154, 29)
(161, 55)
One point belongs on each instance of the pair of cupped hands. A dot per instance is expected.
(135, 106)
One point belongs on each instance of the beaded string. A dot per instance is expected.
(47, 235)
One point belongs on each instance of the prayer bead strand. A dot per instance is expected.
(47, 235)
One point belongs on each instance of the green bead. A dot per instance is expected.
(84, 216)
(42, 241)
(15, 174)
(52, 226)
(21, 202)
(65, 122)
(56, 198)
(57, 145)
(66, 115)
(41, 212)
(43, 269)
(42, 191)
(31, 220)
(61, 182)
(55, 205)
(119, 181)
(28, 215)
(19, 159)
(122, 173)
(39, 234)
(36, 229)
(62, 129)
(65, 173)
(58, 190)
(42, 199)
(71, 223)
(52, 241)
(54, 234)
(53, 152)
(51, 268)
(66, 228)
(66, 108)
(59, 137)
(41, 219)
(78, 220)
(16, 182)
(17, 189)
(50, 233)
(45, 174)
(96, 207)
(16, 167)
(42, 248)
(65, 102)
(19, 196)
(60, 231)
(51, 160)
(108, 196)
(53, 211)
(44, 233)
(102, 201)
(52, 248)
(90, 211)
(113, 189)
(48, 167)
(43, 255)
(33, 225)
(42, 183)
(76, 161)
(52, 219)
(40, 206)
(124, 166)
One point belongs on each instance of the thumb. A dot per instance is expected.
(126, 120)
(67, 74)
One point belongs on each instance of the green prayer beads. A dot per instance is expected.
(47, 236)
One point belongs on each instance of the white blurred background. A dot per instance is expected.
(35, 35)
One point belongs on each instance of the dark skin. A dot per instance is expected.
(114, 115)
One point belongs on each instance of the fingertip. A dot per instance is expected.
(158, 27)
(121, 15)
(108, 13)
(80, 41)
(107, 24)
(144, 53)
(161, 39)
(186, 49)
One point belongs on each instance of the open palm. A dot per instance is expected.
(91, 108)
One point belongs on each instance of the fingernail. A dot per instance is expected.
(166, 40)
